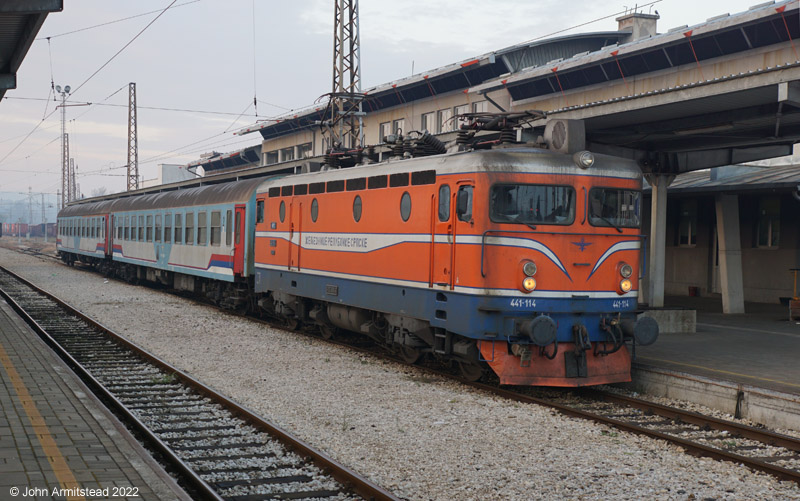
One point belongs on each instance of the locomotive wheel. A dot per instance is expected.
(292, 323)
(328, 332)
(409, 354)
(471, 371)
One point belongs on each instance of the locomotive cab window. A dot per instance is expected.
(615, 208)
(444, 202)
(532, 204)
(464, 203)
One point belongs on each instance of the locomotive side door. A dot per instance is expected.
(238, 240)
(441, 236)
(462, 222)
(296, 233)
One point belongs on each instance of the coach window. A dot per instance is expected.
(103, 227)
(464, 203)
(216, 230)
(90, 230)
(178, 228)
(282, 211)
(167, 228)
(228, 227)
(149, 231)
(259, 211)
(158, 227)
(140, 236)
(126, 229)
(357, 208)
(314, 210)
(202, 228)
(118, 221)
(444, 202)
(189, 228)
(405, 206)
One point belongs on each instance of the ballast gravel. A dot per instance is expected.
(422, 437)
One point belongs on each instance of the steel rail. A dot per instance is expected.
(360, 485)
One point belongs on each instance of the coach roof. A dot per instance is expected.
(235, 192)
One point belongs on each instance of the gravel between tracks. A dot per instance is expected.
(417, 435)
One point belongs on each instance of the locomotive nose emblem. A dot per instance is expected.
(583, 244)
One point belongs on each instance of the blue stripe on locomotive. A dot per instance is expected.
(470, 315)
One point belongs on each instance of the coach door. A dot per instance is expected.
(238, 241)
(441, 236)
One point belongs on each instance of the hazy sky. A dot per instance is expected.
(201, 55)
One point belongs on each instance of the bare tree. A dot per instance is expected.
(99, 192)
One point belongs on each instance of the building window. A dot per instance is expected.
(480, 107)
(428, 122)
(271, 157)
(287, 154)
(357, 208)
(444, 121)
(768, 227)
(216, 228)
(386, 129)
(687, 227)
(304, 151)
(202, 228)
(461, 110)
(398, 126)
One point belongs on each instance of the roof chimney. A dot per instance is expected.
(639, 25)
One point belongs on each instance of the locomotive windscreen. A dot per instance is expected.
(614, 207)
(532, 204)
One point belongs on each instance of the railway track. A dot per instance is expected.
(219, 449)
(699, 435)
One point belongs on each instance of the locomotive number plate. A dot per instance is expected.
(621, 303)
(523, 303)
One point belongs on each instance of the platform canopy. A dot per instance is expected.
(20, 22)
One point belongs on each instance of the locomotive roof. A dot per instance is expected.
(233, 192)
(513, 159)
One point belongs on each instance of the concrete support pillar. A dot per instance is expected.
(658, 238)
(730, 254)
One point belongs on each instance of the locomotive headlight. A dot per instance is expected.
(626, 270)
(625, 286)
(528, 284)
(583, 159)
(529, 268)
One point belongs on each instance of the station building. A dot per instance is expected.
(566, 75)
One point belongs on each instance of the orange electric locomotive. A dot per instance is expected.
(501, 256)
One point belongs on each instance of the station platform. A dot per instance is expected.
(744, 364)
(55, 434)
